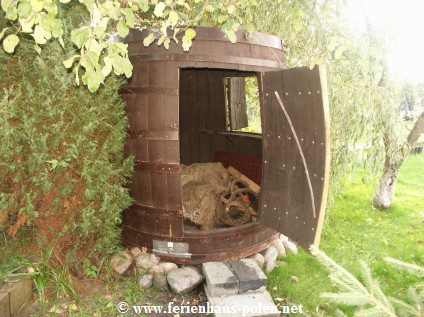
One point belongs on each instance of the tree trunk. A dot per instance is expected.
(387, 186)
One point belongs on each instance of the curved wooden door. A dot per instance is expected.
(294, 190)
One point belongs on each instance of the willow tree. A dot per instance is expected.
(315, 32)
(364, 109)
(396, 151)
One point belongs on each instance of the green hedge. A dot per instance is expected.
(62, 170)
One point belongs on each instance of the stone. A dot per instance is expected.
(282, 237)
(147, 260)
(281, 249)
(270, 266)
(146, 281)
(249, 274)
(250, 304)
(135, 252)
(4, 304)
(156, 269)
(270, 254)
(290, 246)
(167, 267)
(121, 262)
(160, 281)
(259, 258)
(220, 278)
(184, 279)
(19, 293)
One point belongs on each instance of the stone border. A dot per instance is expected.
(15, 296)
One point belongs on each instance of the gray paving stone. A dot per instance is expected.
(220, 278)
(249, 274)
(251, 304)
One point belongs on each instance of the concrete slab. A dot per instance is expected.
(4, 304)
(249, 274)
(220, 278)
(20, 294)
(251, 304)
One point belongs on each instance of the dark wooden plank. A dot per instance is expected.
(286, 202)
(156, 112)
(266, 53)
(205, 61)
(202, 101)
(216, 119)
(146, 90)
(210, 34)
(184, 116)
(153, 220)
(157, 151)
(172, 152)
(206, 148)
(237, 103)
(193, 109)
(155, 167)
(136, 110)
(141, 189)
(138, 148)
(171, 75)
(159, 189)
(174, 193)
(219, 143)
(157, 74)
(206, 245)
(153, 135)
(140, 77)
(171, 121)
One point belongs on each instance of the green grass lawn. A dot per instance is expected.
(355, 231)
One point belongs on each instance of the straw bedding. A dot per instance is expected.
(206, 188)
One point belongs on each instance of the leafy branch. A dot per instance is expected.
(99, 50)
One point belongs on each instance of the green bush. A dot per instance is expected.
(62, 169)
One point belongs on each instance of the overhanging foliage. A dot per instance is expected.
(97, 54)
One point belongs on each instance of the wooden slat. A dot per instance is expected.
(286, 201)
(237, 103)
(194, 124)
(128, 90)
(153, 135)
(140, 188)
(216, 119)
(184, 115)
(208, 59)
(212, 34)
(207, 245)
(155, 167)
(153, 220)
(203, 93)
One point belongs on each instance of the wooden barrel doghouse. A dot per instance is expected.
(185, 107)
